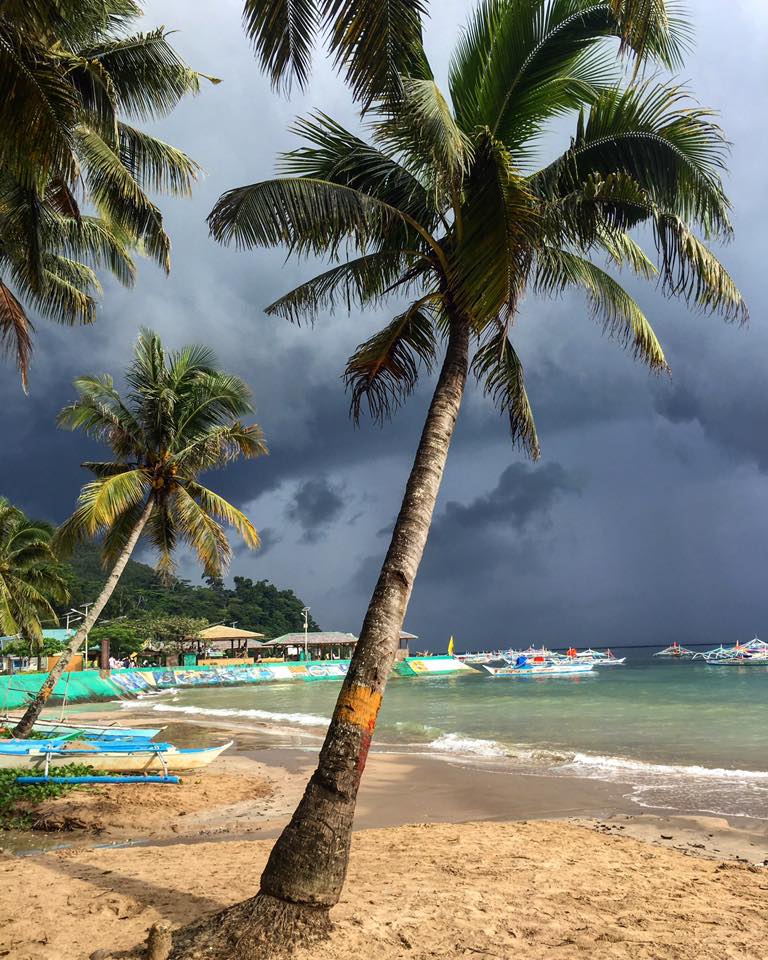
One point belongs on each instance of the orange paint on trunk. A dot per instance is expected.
(359, 706)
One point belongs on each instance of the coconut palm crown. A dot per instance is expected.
(180, 417)
(76, 77)
(29, 577)
(447, 201)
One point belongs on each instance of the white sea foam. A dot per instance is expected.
(620, 765)
(298, 719)
(457, 743)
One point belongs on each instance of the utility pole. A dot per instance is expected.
(305, 611)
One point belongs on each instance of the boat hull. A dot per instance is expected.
(128, 761)
(539, 670)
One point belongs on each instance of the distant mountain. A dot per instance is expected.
(256, 605)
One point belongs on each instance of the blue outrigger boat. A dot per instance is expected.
(128, 756)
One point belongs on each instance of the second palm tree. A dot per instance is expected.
(181, 417)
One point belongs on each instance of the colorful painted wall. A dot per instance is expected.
(89, 685)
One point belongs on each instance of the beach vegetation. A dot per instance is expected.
(180, 417)
(18, 801)
(76, 172)
(453, 202)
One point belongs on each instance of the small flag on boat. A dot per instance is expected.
(450, 646)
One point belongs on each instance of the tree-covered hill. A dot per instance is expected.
(255, 605)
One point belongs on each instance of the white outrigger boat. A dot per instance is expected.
(114, 757)
(676, 651)
(539, 667)
(752, 654)
(598, 658)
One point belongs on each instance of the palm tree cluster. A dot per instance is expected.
(75, 173)
(29, 576)
(181, 417)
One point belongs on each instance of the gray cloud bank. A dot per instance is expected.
(646, 521)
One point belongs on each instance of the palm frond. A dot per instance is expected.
(156, 165)
(422, 130)
(521, 62)
(120, 199)
(283, 33)
(690, 270)
(148, 75)
(656, 28)
(195, 526)
(650, 132)
(499, 227)
(361, 281)
(384, 370)
(307, 216)
(15, 331)
(499, 370)
(376, 42)
(336, 155)
(222, 510)
(621, 317)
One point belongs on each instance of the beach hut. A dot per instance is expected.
(230, 640)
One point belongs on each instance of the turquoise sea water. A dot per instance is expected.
(683, 735)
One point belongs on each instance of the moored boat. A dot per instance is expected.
(539, 667)
(598, 658)
(675, 651)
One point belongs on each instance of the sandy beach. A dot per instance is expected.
(469, 862)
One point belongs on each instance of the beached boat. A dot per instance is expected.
(526, 667)
(111, 757)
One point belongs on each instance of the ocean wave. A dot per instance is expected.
(468, 746)
(621, 765)
(298, 719)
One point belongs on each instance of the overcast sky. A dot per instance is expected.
(646, 519)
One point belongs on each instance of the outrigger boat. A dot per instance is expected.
(597, 658)
(114, 757)
(539, 667)
(675, 650)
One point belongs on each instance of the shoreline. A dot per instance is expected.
(400, 787)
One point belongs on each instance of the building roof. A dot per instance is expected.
(248, 643)
(220, 632)
(322, 637)
(318, 638)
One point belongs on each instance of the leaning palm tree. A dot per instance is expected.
(445, 204)
(181, 417)
(75, 81)
(29, 576)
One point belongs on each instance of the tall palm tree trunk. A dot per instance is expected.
(305, 873)
(35, 708)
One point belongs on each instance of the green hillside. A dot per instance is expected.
(255, 605)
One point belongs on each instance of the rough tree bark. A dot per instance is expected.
(306, 870)
(35, 708)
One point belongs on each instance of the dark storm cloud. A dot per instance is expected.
(647, 518)
(524, 494)
(314, 506)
